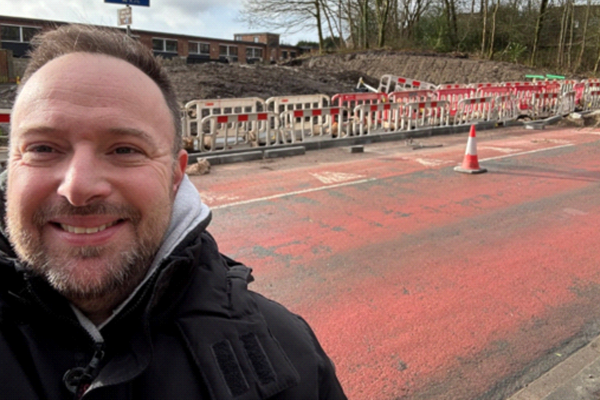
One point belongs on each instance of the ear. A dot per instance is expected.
(180, 166)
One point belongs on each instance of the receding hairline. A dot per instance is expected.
(79, 38)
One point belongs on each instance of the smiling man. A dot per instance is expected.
(110, 286)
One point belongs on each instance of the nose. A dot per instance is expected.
(84, 179)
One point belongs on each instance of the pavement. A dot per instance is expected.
(575, 378)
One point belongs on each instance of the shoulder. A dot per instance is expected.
(302, 347)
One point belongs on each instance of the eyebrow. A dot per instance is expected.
(112, 131)
(135, 133)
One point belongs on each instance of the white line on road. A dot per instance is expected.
(526, 152)
(278, 196)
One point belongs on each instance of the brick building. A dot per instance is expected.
(16, 33)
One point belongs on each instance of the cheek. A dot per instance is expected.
(26, 191)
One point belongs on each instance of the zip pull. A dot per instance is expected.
(78, 380)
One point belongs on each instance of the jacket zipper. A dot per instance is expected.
(82, 378)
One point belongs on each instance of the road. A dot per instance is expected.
(421, 282)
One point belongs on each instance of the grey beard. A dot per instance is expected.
(126, 271)
(125, 275)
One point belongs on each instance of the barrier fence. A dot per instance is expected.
(402, 104)
(233, 130)
(327, 122)
(222, 124)
(4, 116)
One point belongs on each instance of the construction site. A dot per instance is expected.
(421, 282)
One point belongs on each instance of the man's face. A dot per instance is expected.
(91, 176)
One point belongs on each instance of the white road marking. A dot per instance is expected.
(281, 195)
(429, 162)
(572, 211)
(278, 196)
(215, 197)
(335, 177)
(526, 152)
(500, 149)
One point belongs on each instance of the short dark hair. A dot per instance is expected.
(77, 38)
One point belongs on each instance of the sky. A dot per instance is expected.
(209, 18)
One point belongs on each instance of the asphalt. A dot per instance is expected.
(575, 378)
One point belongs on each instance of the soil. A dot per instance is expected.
(326, 74)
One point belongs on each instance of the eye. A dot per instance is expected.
(126, 150)
(42, 148)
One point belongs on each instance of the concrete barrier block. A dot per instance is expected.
(285, 152)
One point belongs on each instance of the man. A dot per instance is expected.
(110, 286)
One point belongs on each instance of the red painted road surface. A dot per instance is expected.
(421, 282)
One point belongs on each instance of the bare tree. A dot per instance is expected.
(584, 35)
(484, 11)
(538, 30)
(493, 33)
(382, 12)
(291, 16)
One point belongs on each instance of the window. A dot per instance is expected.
(15, 33)
(239, 38)
(293, 54)
(253, 52)
(199, 48)
(256, 38)
(228, 51)
(284, 54)
(166, 45)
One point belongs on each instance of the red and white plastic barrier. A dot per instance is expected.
(567, 103)
(487, 91)
(425, 114)
(453, 86)
(410, 96)
(232, 130)
(506, 108)
(327, 122)
(351, 100)
(454, 96)
(545, 104)
(4, 116)
(377, 117)
(524, 97)
(280, 104)
(392, 83)
(475, 109)
(196, 110)
(591, 100)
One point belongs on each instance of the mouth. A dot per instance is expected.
(81, 230)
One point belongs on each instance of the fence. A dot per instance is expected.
(472, 110)
(392, 83)
(195, 111)
(233, 130)
(410, 96)
(377, 117)
(300, 125)
(4, 116)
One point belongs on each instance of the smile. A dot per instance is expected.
(83, 230)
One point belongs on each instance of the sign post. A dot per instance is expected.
(125, 18)
(124, 15)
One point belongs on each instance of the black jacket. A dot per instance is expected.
(193, 332)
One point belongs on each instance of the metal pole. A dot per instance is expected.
(129, 26)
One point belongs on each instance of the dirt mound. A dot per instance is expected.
(426, 66)
(216, 80)
(327, 74)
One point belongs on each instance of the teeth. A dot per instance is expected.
(81, 230)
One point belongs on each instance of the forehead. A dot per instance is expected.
(91, 84)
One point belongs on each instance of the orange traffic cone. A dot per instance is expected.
(470, 163)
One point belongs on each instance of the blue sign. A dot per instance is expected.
(145, 3)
